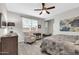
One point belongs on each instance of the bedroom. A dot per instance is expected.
(36, 31)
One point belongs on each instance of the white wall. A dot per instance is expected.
(62, 16)
(12, 17)
(42, 23)
(16, 18)
(3, 10)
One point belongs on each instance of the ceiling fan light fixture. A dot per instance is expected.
(44, 9)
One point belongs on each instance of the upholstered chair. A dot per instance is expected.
(29, 37)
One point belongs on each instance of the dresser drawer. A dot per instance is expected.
(9, 45)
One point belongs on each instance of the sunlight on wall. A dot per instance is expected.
(5, 31)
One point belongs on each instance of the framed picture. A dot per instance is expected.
(71, 25)
(39, 26)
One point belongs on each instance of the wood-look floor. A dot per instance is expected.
(30, 49)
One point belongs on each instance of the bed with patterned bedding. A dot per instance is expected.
(60, 45)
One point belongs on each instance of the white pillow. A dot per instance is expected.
(77, 42)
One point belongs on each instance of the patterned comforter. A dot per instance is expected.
(60, 45)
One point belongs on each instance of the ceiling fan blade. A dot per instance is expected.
(47, 12)
(50, 7)
(43, 5)
(37, 9)
(40, 13)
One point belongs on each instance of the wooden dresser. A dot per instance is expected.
(9, 44)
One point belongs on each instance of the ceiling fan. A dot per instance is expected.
(44, 8)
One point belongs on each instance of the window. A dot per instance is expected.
(34, 23)
(29, 24)
(26, 23)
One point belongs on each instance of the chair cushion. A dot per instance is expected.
(77, 42)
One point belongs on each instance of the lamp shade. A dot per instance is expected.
(3, 23)
(11, 24)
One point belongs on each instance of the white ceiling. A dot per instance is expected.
(28, 8)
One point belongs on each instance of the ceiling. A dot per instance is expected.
(28, 8)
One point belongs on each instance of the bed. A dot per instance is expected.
(61, 45)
